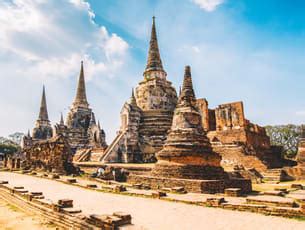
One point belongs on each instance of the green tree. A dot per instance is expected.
(8, 149)
(286, 136)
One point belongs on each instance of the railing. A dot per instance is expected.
(111, 146)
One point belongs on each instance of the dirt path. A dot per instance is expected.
(152, 213)
(12, 218)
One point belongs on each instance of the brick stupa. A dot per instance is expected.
(187, 159)
(187, 152)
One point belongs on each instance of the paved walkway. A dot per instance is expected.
(152, 213)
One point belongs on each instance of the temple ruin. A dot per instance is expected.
(146, 119)
(301, 149)
(147, 116)
(187, 158)
(80, 131)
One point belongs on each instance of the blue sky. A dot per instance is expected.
(248, 50)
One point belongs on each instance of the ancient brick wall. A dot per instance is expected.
(301, 153)
(202, 105)
(231, 125)
(230, 116)
(212, 120)
(53, 155)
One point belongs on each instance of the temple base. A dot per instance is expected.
(190, 185)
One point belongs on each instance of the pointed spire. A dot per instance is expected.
(62, 123)
(98, 124)
(179, 90)
(29, 134)
(132, 98)
(92, 119)
(81, 98)
(154, 60)
(187, 95)
(43, 112)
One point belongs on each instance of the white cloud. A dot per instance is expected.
(208, 5)
(43, 42)
(82, 5)
(48, 38)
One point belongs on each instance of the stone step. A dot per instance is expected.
(272, 201)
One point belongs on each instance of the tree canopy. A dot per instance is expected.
(286, 136)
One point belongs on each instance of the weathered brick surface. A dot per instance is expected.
(51, 155)
(197, 186)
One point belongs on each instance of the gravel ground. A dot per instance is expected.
(12, 218)
(152, 213)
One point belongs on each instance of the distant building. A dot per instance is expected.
(81, 129)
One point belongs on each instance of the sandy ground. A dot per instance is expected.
(152, 213)
(12, 218)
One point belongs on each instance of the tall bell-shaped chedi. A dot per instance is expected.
(80, 113)
(81, 128)
(42, 129)
(187, 152)
(147, 117)
(155, 93)
(157, 99)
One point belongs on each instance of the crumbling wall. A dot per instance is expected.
(52, 155)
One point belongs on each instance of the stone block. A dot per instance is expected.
(71, 180)
(98, 220)
(165, 189)
(38, 197)
(91, 186)
(269, 202)
(71, 210)
(284, 190)
(119, 188)
(215, 201)
(234, 192)
(22, 191)
(65, 203)
(179, 190)
(126, 218)
(55, 176)
(137, 186)
(158, 194)
(274, 193)
(36, 193)
(18, 187)
(111, 221)
(296, 186)
(196, 186)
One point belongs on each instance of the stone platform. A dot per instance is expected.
(191, 185)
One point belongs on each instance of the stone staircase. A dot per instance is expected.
(110, 152)
(81, 155)
(155, 123)
(274, 175)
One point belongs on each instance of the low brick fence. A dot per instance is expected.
(62, 216)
